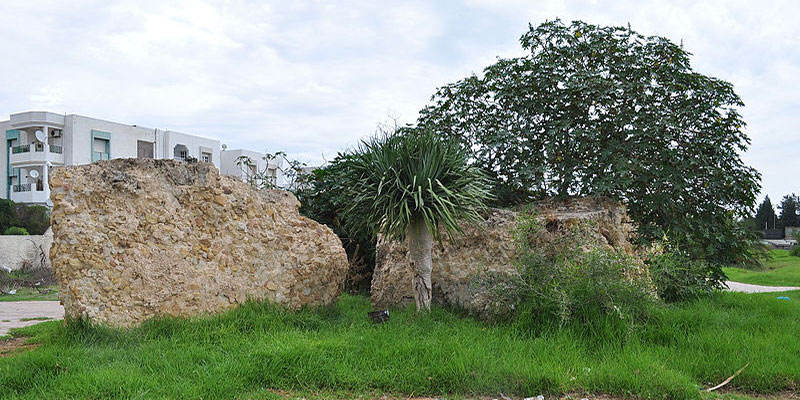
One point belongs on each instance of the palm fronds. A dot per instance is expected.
(408, 173)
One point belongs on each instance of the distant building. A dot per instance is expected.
(38, 141)
(250, 166)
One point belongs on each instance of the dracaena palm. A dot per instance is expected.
(413, 184)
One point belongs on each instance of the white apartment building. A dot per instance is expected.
(38, 141)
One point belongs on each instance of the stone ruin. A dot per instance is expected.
(489, 247)
(138, 238)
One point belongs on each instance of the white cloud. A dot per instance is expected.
(313, 77)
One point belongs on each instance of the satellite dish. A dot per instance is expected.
(40, 136)
(224, 147)
(34, 173)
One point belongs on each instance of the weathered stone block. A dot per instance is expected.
(139, 238)
(489, 247)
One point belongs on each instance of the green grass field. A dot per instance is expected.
(782, 269)
(31, 294)
(258, 348)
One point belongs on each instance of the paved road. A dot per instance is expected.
(748, 288)
(12, 312)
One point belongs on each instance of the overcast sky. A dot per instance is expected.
(312, 77)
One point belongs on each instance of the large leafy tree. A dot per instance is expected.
(410, 184)
(596, 110)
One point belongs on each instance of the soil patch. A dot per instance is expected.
(15, 345)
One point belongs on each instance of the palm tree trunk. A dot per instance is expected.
(420, 245)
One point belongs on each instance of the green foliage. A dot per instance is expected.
(678, 276)
(788, 207)
(765, 215)
(566, 278)
(605, 111)
(323, 198)
(35, 219)
(15, 230)
(47, 293)
(395, 177)
(727, 242)
(7, 216)
(796, 250)
(263, 351)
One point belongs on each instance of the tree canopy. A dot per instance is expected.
(788, 207)
(765, 215)
(594, 110)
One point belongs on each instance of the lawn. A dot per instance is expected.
(782, 269)
(258, 349)
(31, 294)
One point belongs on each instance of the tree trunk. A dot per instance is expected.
(420, 244)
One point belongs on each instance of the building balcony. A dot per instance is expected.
(29, 193)
(36, 154)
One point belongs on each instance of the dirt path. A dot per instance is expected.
(16, 314)
(748, 288)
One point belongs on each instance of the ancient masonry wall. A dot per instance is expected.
(138, 238)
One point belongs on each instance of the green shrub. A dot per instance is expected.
(323, 197)
(567, 278)
(796, 250)
(679, 277)
(7, 217)
(36, 219)
(15, 230)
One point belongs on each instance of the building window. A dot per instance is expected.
(205, 157)
(100, 149)
(145, 149)
(181, 152)
(101, 145)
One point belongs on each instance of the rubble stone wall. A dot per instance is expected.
(137, 238)
(489, 247)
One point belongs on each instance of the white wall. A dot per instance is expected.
(4, 126)
(77, 140)
(16, 248)
(193, 144)
(230, 167)
(123, 138)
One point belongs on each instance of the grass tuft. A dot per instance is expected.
(259, 348)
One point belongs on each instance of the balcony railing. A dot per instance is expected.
(37, 147)
(36, 154)
(25, 187)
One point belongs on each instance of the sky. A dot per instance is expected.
(313, 77)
